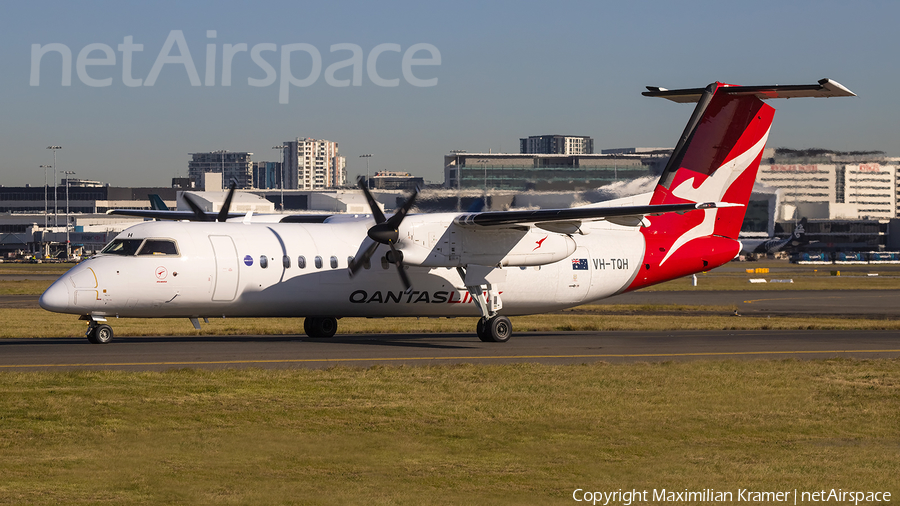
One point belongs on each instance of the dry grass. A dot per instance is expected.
(499, 434)
(24, 286)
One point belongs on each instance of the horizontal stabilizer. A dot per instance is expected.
(825, 88)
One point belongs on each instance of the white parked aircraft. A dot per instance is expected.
(492, 264)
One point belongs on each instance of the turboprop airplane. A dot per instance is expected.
(774, 244)
(492, 264)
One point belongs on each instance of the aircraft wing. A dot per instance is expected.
(211, 216)
(167, 214)
(545, 218)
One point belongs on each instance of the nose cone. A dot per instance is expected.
(56, 298)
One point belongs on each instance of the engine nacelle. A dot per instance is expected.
(446, 244)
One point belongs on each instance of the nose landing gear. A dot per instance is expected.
(99, 333)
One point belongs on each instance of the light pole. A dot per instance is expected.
(55, 212)
(282, 174)
(458, 154)
(68, 174)
(45, 167)
(367, 156)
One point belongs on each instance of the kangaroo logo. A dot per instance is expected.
(713, 187)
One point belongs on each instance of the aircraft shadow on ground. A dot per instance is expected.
(391, 340)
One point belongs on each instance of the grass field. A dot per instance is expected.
(499, 434)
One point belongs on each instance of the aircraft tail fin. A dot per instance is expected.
(799, 237)
(715, 160)
(156, 203)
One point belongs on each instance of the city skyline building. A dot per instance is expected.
(267, 175)
(557, 145)
(233, 165)
(313, 164)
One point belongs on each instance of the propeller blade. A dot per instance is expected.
(404, 209)
(399, 263)
(385, 231)
(226, 206)
(199, 214)
(364, 255)
(373, 206)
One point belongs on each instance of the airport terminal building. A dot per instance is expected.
(546, 172)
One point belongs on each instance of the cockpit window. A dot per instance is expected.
(123, 247)
(158, 247)
(151, 247)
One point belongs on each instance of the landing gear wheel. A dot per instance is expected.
(480, 331)
(320, 327)
(101, 334)
(497, 329)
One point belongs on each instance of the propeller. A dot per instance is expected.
(385, 231)
(200, 214)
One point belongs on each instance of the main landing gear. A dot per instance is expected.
(491, 327)
(496, 329)
(320, 326)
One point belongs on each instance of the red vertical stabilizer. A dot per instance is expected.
(716, 160)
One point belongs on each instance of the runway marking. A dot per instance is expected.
(396, 359)
(751, 301)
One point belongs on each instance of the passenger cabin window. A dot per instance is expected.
(301, 262)
(158, 247)
(263, 261)
(286, 261)
(123, 247)
(318, 262)
(334, 262)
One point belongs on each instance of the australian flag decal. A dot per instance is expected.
(579, 264)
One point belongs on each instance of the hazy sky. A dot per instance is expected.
(507, 70)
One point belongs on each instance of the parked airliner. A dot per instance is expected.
(492, 264)
(773, 245)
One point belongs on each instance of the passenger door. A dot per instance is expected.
(227, 272)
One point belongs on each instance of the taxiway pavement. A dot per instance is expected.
(362, 350)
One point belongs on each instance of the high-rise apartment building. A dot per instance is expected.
(267, 175)
(313, 164)
(231, 164)
(557, 145)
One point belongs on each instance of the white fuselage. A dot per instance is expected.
(238, 269)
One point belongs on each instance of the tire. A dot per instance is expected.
(481, 331)
(326, 327)
(320, 327)
(101, 334)
(498, 329)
